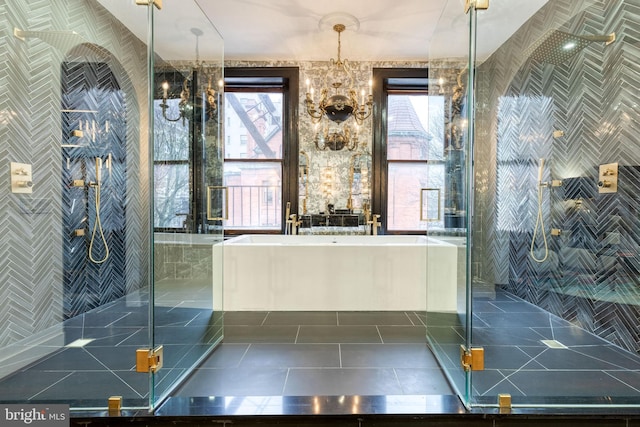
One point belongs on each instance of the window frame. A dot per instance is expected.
(239, 79)
(390, 81)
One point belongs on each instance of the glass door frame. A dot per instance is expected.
(186, 312)
(449, 333)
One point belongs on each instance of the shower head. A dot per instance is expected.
(556, 47)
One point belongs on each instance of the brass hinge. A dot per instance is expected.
(472, 359)
(504, 403)
(476, 4)
(149, 360)
(156, 3)
(115, 406)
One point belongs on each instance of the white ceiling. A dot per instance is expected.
(260, 30)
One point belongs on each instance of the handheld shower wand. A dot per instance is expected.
(539, 220)
(97, 225)
(540, 170)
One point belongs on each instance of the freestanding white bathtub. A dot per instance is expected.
(350, 273)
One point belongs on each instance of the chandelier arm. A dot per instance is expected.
(315, 115)
(164, 107)
(361, 115)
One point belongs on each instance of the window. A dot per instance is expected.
(415, 161)
(257, 169)
(409, 152)
(171, 169)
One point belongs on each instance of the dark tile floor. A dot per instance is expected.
(293, 361)
(319, 353)
(104, 365)
(537, 357)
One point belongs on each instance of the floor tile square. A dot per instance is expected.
(338, 334)
(387, 356)
(225, 356)
(245, 381)
(257, 334)
(244, 317)
(292, 356)
(403, 334)
(301, 318)
(374, 318)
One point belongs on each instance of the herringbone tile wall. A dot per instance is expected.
(591, 276)
(93, 104)
(32, 233)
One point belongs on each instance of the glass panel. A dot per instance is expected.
(75, 290)
(414, 130)
(557, 257)
(415, 134)
(171, 196)
(171, 138)
(406, 182)
(253, 125)
(187, 158)
(448, 309)
(255, 197)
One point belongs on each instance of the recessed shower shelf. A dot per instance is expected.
(80, 111)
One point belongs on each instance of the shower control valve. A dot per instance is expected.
(608, 178)
(21, 178)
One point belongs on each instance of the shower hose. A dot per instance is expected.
(539, 224)
(97, 228)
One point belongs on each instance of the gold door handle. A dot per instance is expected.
(211, 190)
(422, 200)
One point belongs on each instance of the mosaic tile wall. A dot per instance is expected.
(31, 225)
(93, 127)
(591, 273)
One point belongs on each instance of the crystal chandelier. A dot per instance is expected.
(338, 103)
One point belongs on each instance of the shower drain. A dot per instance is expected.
(553, 344)
(79, 343)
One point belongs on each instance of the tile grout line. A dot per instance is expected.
(51, 385)
(286, 379)
(244, 354)
(409, 317)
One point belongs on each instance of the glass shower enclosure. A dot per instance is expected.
(86, 291)
(551, 290)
